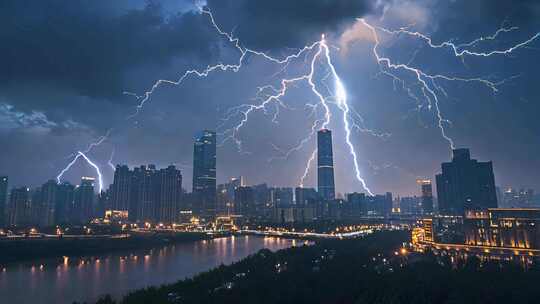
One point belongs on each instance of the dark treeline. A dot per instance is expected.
(358, 271)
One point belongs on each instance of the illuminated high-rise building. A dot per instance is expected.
(120, 189)
(83, 205)
(204, 173)
(325, 165)
(168, 194)
(3, 200)
(143, 194)
(426, 197)
(465, 184)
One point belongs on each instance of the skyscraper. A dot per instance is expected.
(426, 197)
(120, 189)
(325, 165)
(64, 203)
(204, 172)
(169, 192)
(19, 206)
(48, 203)
(143, 197)
(3, 200)
(465, 183)
(84, 200)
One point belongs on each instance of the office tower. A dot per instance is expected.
(465, 183)
(120, 189)
(169, 192)
(244, 201)
(204, 172)
(3, 200)
(64, 203)
(48, 203)
(144, 195)
(19, 207)
(305, 196)
(325, 165)
(426, 197)
(84, 201)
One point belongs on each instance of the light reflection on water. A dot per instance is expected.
(65, 280)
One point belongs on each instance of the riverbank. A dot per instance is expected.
(26, 249)
(86, 279)
(283, 276)
(372, 269)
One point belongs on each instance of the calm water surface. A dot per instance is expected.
(74, 279)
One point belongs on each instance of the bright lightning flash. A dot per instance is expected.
(90, 162)
(270, 97)
(429, 82)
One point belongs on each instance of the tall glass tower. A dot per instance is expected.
(204, 172)
(325, 165)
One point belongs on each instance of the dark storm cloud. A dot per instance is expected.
(277, 24)
(88, 46)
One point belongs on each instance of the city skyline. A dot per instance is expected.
(396, 138)
(269, 151)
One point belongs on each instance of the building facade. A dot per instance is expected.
(84, 198)
(120, 189)
(19, 207)
(465, 184)
(325, 165)
(426, 195)
(204, 173)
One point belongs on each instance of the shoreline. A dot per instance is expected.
(15, 251)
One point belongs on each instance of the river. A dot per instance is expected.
(66, 280)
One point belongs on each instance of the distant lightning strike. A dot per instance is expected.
(322, 53)
(319, 52)
(425, 79)
(90, 162)
(83, 155)
(110, 161)
(245, 110)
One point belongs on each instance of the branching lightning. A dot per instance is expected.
(110, 161)
(428, 82)
(90, 162)
(83, 155)
(270, 97)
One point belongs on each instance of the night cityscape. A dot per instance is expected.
(234, 151)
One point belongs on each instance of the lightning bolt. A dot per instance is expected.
(322, 54)
(428, 82)
(82, 154)
(270, 97)
(110, 161)
(90, 162)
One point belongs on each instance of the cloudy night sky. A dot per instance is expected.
(65, 67)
